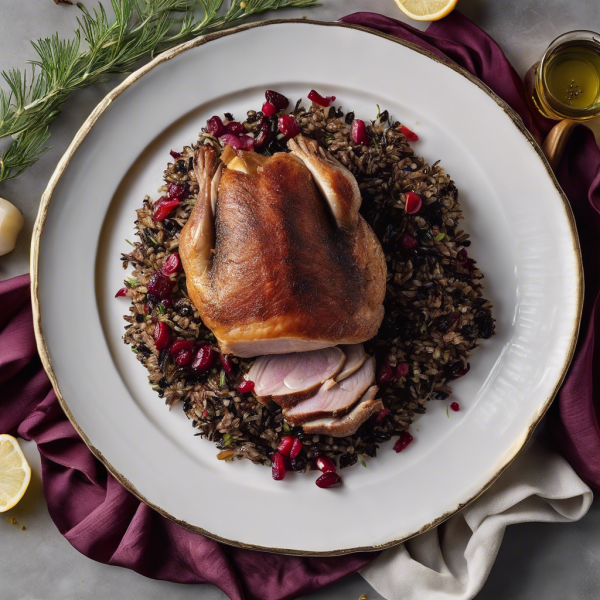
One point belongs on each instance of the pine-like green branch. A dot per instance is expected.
(140, 28)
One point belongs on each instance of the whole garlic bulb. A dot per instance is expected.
(11, 223)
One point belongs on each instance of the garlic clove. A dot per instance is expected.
(11, 223)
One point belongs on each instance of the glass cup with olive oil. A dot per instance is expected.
(565, 84)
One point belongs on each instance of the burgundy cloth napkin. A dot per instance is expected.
(103, 521)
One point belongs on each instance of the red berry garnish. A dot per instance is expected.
(359, 132)
(178, 191)
(268, 109)
(385, 372)
(403, 441)
(171, 264)
(161, 335)
(227, 364)
(315, 97)
(215, 126)
(183, 358)
(278, 100)
(235, 127)
(296, 448)
(179, 345)
(246, 386)
(412, 203)
(163, 208)
(121, 292)
(402, 369)
(264, 136)
(288, 126)
(204, 359)
(382, 414)
(285, 446)
(455, 406)
(408, 241)
(160, 285)
(278, 468)
(247, 142)
(174, 154)
(328, 480)
(411, 136)
(325, 464)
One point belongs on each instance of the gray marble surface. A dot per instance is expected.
(536, 560)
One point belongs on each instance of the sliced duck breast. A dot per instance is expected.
(348, 424)
(355, 359)
(336, 401)
(289, 378)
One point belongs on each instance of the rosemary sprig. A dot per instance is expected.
(140, 29)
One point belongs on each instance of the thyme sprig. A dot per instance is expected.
(99, 48)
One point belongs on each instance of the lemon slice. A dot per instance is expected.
(426, 10)
(15, 472)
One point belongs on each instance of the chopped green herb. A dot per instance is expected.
(228, 439)
(149, 236)
(222, 379)
(376, 144)
(131, 282)
(362, 460)
(161, 308)
(129, 242)
(439, 237)
(378, 110)
(447, 413)
(286, 427)
(135, 350)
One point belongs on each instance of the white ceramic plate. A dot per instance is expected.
(523, 238)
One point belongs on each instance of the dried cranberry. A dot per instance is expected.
(121, 292)
(412, 203)
(325, 464)
(227, 364)
(404, 440)
(184, 357)
(359, 132)
(268, 109)
(288, 126)
(408, 241)
(232, 140)
(204, 359)
(315, 97)
(278, 100)
(455, 406)
(179, 345)
(171, 264)
(215, 126)
(278, 469)
(246, 386)
(457, 369)
(402, 369)
(160, 286)
(163, 208)
(328, 480)
(382, 414)
(178, 191)
(296, 448)
(235, 127)
(247, 142)
(264, 136)
(285, 446)
(161, 335)
(411, 136)
(385, 372)
(174, 154)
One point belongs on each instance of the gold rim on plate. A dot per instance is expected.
(86, 128)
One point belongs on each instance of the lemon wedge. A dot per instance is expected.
(15, 472)
(426, 10)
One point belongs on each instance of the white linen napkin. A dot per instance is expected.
(453, 561)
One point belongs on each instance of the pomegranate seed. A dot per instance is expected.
(160, 286)
(325, 464)
(382, 414)
(278, 470)
(457, 370)
(359, 132)
(178, 191)
(268, 109)
(285, 446)
(402, 369)
(161, 335)
(146, 308)
(288, 126)
(235, 127)
(315, 97)
(215, 126)
(278, 100)
(246, 386)
(264, 136)
(227, 364)
(121, 292)
(408, 241)
(204, 414)
(455, 406)
(174, 154)
(403, 441)
(184, 357)
(296, 448)
(205, 357)
(411, 136)
(385, 372)
(171, 264)
(166, 303)
(412, 203)
(178, 345)
(163, 208)
(328, 480)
